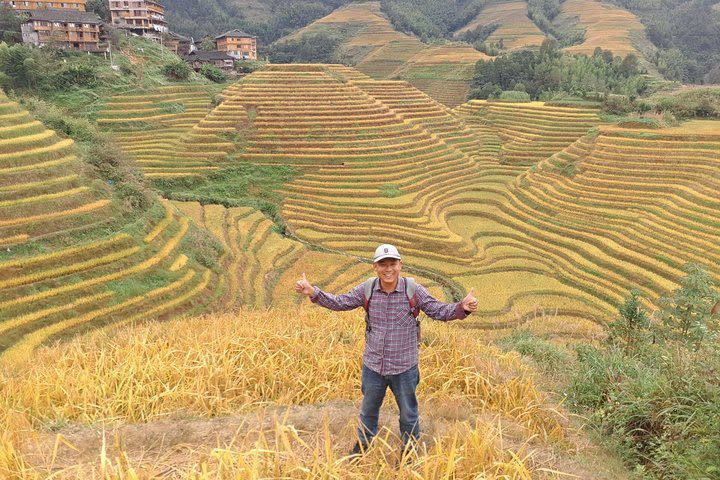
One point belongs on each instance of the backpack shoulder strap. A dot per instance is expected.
(411, 292)
(368, 288)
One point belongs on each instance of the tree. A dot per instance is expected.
(688, 315)
(22, 66)
(632, 327)
(629, 65)
(99, 7)
(10, 22)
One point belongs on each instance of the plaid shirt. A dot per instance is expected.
(391, 345)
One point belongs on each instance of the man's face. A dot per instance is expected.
(388, 270)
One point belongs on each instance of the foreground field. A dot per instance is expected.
(268, 394)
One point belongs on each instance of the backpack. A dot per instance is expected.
(410, 292)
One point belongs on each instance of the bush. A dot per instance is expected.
(514, 96)
(213, 73)
(248, 66)
(177, 70)
(618, 105)
(658, 408)
(77, 74)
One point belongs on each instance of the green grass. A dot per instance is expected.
(390, 190)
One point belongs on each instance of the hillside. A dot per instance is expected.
(369, 41)
(492, 195)
(78, 252)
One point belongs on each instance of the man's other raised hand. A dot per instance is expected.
(469, 303)
(303, 287)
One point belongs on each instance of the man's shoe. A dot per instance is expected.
(358, 449)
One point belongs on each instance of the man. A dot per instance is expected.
(391, 343)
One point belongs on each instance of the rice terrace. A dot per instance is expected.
(549, 171)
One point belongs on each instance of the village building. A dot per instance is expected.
(37, 5)
(141, 17)
(178, 44)
(220, 60)
(70, 29)
(237, 44)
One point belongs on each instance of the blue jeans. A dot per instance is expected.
(373, 388)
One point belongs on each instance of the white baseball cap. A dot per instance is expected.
(386, 251)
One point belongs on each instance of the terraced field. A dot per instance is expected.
(606, 26)
(343, 140)
(527, 202)
(42, 188)
(162, 128)
(261, 266)
(381, 52)
(515, 30)
(616, 210)
(533, 131)
(68, 261)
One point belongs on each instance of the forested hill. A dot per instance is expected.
(686, 33)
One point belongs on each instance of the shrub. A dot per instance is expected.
(514, 96)
(248, 66)
(390, 190)
(77, 74)
(213, 73)
(687, 315)
(176, 70)
(631, 329)
(617, 105)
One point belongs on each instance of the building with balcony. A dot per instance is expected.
(237, 44)
(178, 44)
(70, 29)
(141, 17)
(37, 5)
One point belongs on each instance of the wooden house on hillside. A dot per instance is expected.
(237, 44)
(220, 60)
(70, 29)
(141, 17)
(38, 5)
(178, 44)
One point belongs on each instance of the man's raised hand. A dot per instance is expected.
(469, 303)
(303, 286)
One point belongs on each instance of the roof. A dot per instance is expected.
(177, 36)
(66, 16)
(235, 33)
(198, 55)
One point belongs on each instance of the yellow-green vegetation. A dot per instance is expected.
(514, 28)
(161, 127)
(73, 257)
(479, 405)
(261, 266)
(606, 26)
(531, 131)
(378, 50)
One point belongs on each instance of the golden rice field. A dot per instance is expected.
(162, 129)
(606, 26)
(381, 52)
(269, 395)
(515, 30)
(470, 195)
(68, 261)
(261, 266)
